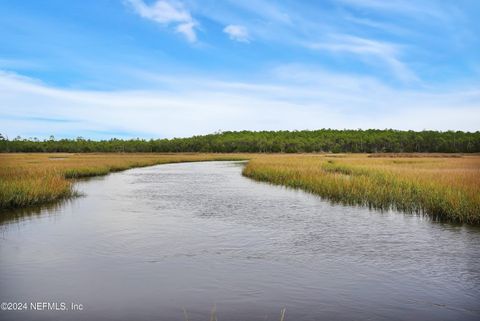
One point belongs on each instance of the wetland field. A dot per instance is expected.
(240, 236)
(443, 186)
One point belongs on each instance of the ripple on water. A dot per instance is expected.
(146, 242)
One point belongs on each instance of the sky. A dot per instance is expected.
(175, 68)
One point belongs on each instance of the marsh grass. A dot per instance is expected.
(35, 179)
(444, 188)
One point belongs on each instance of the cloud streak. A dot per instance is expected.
(300, 98)
(371, 49)
(420, 9)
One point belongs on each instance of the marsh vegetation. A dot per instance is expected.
(440, 186)
(444, 188)
(191, 235)
(34, 179)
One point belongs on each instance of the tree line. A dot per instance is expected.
(304, 141)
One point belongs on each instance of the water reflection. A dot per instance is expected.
(12, 216)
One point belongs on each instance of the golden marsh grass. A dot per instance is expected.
(34, 179)
(446, 188)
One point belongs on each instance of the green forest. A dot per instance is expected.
(304, 141)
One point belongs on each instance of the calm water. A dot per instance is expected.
(146, 243)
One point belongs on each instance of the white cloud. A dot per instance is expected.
(301, 97)
(166, 12)
(188, 30)
(367, 48)
(237, 33)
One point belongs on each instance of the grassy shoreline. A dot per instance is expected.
(36, 179)
(446, 189)
(442, 187)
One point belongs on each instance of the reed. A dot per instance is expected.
(444, 188)
(35, 179)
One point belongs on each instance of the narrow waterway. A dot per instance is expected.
(146, 243)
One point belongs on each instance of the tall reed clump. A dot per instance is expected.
(30, 188)
(446, 189)
(35, 179)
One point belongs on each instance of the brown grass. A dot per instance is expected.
(445, 188)
(34, 179)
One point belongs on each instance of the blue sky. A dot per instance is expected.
(172, 68)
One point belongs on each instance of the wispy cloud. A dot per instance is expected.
(411, 8)
(237, 33)
(309, 64)
(384, 27)
(168, 12)
(267, 10)
(301, 97)
(372, 50)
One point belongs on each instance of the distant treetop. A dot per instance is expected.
(302, 141)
